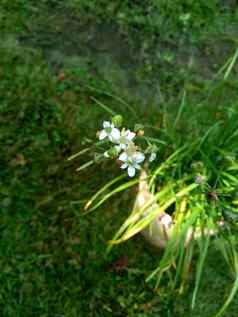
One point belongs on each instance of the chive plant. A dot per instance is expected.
(192, 174)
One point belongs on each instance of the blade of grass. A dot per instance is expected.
(204, 244)
(209, 131)
(165, 164)
(173, 243)
(209, 163)
(135, 216)
(85, 166)
(117, 99)
(187, 262)
(141, 224)
(180, 110)
(231, 65)
(83, 151)
(161, 196)
(153, 140)
(103, 189)
(230, 298)
(104, 107)
(185, 255)
(113, 192)
(230, 177)
(72, 157)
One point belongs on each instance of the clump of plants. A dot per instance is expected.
(192, 178)
(185, 167)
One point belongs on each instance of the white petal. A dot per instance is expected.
(106, 124)
(123, 157)
(130, 135)
(131, 171)
(114, 135)
(102, 135)
(137, 166)
(125, 165)
(152, 157)
(139, 157)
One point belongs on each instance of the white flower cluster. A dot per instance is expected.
(124, 148)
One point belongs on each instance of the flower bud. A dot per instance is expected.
(117, 121)
(112, 152)
(138, 127)
(199, 179)
(140, 133)
(198, 166)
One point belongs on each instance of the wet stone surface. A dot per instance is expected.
(98, 47)
(68, 41)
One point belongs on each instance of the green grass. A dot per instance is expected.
(53, 259)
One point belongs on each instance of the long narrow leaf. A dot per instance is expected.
(230, 298)
(141, 224)
(104, 107)
(106, 93)
(165, 164)
(180, 110)
(200, 264)
(103, 189)
(231, 65)
(85, 166)
(113, 192)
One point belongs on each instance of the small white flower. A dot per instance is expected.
(131, 162)
(129, 135)
(123, 157)
(152, 157)
(138, 157)
(109, 131)
(126, 137)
